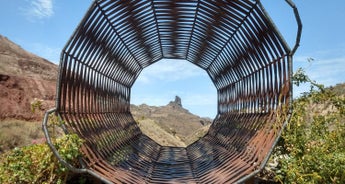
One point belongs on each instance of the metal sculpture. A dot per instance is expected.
(234, 41)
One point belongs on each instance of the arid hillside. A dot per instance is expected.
(173, 119)
(24, 79)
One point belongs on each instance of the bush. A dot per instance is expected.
(314, 141)
(37, 164)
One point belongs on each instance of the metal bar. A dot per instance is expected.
(57, 155)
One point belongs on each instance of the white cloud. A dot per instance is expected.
(170, 70)
(39, 9)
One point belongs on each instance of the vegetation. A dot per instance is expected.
(312, 148)
(18, 133)
(37, 164)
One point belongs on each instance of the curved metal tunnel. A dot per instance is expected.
(235, 42)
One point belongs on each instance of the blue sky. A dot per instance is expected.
(44, 26)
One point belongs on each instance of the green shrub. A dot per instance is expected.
(37, 164)
(314, 140)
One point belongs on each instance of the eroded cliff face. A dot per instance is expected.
(24, 79)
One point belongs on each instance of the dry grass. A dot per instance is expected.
(201, 132)
(18, 133)
(166, 138)
(150, 128)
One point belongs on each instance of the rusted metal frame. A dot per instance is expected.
(242, 123)
(250, 42)
(235, 170)
(299, 26)
(72, 85)
(66, 94)
(274, 28)
(227, 60)
(229, 65)
(78, 91)
(157, 27)
(254, 57)
(229, 75)
(85, 39)
(100, 73)
(208, 28)
(108, 148)
(61, 89)
(145, 157)
(265, 66)
(224, 168)
(245, 64)
(149, 178)
(134, 24)
(225, 70)
(192, 30)
(144, 52)
(244, 54)
(289, 114)
(255, 28)
(117, 64)
(105, 68)
(57, 155)
(93, 48)
(202, 165)
(139, 167)
(269, 37)
(273, 37)
(115, 31)
(62, 66)
(252, 152)
(103, 168)
(230, 37)
(214, 38)
(139, 51)
(165, 28)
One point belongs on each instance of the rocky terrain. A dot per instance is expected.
(172, 119)
(24, 79)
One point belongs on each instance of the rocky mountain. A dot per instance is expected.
(173, 119)
(24, 79)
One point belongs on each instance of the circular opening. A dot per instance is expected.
(174, 102)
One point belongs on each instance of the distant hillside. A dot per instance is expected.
(173, 119)
(24, 78)
(339, 89)
(15, 61)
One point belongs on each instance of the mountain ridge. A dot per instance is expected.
(173, 119)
